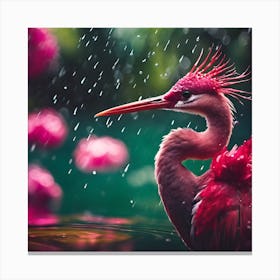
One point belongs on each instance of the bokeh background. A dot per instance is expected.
(97, 68)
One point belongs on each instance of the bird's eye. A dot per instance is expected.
(186, 94)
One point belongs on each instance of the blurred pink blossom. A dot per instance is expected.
(46, 128)
(42, 51)
(44, 196)
(100, 154)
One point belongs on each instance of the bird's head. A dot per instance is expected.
(205, 85)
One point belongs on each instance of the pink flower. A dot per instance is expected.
(44, 195)
(46, 128)
(42, 51)
(101, 154)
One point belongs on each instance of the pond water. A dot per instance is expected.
(105, 234)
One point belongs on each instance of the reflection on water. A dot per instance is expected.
(89, 233)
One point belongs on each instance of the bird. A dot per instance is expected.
(213, 211)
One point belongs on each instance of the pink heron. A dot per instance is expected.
(213, 211)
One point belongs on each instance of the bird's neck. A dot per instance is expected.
(178, 185)
(185, 143)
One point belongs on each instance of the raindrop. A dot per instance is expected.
(76, 127)
(74, 139)
(197, 39)
(62, 72)
(118, 84)
(89, 91)
(202, 167)
(70, 161)
(193, 50)
(100, 74)
(32, 147)
(187, 40)
(75, 111)
(156, 64)
(119, 117)
(131, 53)
(115, 64)
(139, 130)
(167, 239)
(168, 42)
(134, 86)
(101, 92)
(65, 87)
(95, 65)
(181, 58)
(87, 43)
(109, 124)
(123, 129)
(85, 185)
(93, 172)
(138, 36)
(132, 202)
(69, 171)
(108, 121)
(172, 122)
(74, 73)
(140, 72)
(95, 38)
(83, 80)
(144, 60)
(140, 98)
(235, 123)
(95, 84)
(178, 45)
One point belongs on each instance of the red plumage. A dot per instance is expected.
(225, 203)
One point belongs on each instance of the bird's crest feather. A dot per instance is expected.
(222, 74)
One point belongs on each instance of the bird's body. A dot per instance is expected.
(211, 211)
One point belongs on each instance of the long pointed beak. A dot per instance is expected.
(146, 104)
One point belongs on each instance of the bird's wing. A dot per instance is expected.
(222, 213)
(222, 219)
